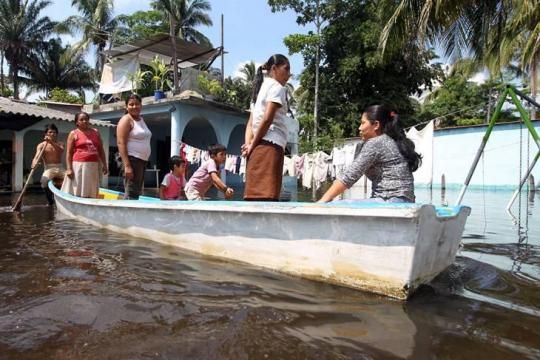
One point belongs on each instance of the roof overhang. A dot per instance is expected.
(17, 115)
(188, 54)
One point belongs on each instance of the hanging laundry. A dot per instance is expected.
(321, 163)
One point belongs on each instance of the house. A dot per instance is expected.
(21, 129)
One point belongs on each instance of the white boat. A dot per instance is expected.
(388, 249)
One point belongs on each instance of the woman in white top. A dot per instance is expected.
(266, 131)
(133, 138)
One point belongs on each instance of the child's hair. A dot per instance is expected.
(131, 97)
(77, 116)
(215, 149)
(175, 160)
(52, 127)
(277, 60)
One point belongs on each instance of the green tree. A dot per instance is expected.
(236, 92)
(186, 15)
(49, 68)
(353, 74)
(495, 33)
(460, 102)
(96, 24)
(22, 29)
(62, 95)
(139, 25)
(249, 71)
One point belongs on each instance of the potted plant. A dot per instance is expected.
(160, 73)
(137, 79)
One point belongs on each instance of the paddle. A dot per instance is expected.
(18, 203)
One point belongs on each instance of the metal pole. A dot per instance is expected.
(172, 25)
(316, 96)
(494, 118)
(222, 51)
(521, 183)
(523, 113)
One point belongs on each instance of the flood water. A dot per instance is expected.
(70, 291)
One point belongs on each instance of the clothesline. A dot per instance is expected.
(315, 168)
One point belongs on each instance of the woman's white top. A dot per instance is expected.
(272, 91)
(138, 143)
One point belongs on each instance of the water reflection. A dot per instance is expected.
(73, 291)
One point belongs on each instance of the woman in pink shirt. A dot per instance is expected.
(83, 156)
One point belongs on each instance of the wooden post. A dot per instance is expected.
(443, 189)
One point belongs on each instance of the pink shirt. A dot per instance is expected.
(173, 186)
(201, 179)
(85, 146)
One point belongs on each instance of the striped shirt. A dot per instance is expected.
(382, 163)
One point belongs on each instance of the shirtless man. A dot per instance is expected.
(52, 159)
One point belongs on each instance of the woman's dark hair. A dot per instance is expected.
(277, 60)
(131, 97)
(77, 116)
(175, 160)
(390, 125)
(52, 127)
(215, 149)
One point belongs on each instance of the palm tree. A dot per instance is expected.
(96, 24)
(21, 30)
(47, 69)
(494, 33)
(249, 71)
(185, 16)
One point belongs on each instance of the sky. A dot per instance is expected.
(251, 30)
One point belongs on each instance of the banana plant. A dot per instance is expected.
(160, 72)
(137, 79)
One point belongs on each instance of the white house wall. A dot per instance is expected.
(26, 141)
(454, 151)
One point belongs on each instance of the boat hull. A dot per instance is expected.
(388, 250)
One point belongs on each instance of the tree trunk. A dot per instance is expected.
(14, 70)
(2, 83)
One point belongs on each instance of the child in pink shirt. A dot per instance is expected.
(172, 186)
(208, 174)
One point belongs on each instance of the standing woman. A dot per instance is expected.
(387, 158)
(133, 138)
(83, 156)
(266, 131)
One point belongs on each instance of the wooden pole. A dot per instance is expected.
(18, 203)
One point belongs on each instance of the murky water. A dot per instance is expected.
(69, 291)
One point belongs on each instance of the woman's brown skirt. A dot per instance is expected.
(264, 171)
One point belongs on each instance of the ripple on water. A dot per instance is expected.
(69, 290)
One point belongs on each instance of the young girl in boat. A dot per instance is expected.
(84, 154)
(208, 174)
(266, 131)
(172, 186)
(387, 158)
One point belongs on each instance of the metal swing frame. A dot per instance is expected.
(511, 91)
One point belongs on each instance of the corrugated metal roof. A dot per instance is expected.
(15, 107)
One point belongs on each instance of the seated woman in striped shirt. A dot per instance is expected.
(387, 158)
